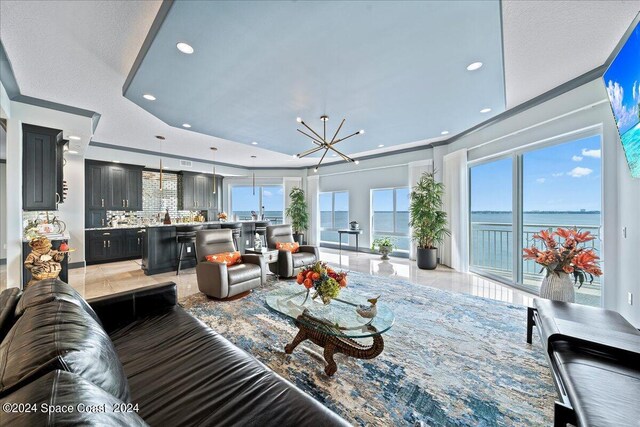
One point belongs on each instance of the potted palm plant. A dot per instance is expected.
(298, 213)
(427, 219)
(384, 245)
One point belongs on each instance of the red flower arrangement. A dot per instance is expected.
(326, 281)
(566, 257)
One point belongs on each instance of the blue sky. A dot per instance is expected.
(564, 177)
(243, 199)
(622, 80)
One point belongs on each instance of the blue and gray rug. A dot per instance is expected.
(450, 359)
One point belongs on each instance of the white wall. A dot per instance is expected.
(585, 107)
(72, 210)
(3, 210)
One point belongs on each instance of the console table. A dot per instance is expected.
(348, 232)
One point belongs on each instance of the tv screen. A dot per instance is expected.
(622, 80)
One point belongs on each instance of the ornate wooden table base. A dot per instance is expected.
(333, 344)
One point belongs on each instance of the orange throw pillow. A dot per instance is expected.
(291, 247)
(229, 258)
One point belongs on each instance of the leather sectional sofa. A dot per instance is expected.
(594, 355)
(64, 361)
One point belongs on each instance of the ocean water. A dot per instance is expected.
(631, 143)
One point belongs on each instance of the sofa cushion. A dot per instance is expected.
(183, 373)
(88, 404)
(242, 272)
(8, 300)
(60, 335)
(228, 258)
(292, 247)
(49, 290)
(301, 259)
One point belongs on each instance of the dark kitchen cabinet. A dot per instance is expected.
(95, 218)
(133, 201)
(133, 242)
(195, 192)
(42, 171)
(114, 244)
(95, 188)
(116, 188)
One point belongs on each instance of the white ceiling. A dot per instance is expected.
(83, 58)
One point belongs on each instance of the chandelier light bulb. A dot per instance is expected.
(299, 119)
(361, 132)
(357, 162)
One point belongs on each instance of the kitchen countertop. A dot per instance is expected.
(125, 227)
(64, 236)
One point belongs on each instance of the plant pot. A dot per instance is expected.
(427, 259)
(385, 251)
(558, 287)
(299, 238)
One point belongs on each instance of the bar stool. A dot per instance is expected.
(185, 235)
(260, 228)
(236, 232)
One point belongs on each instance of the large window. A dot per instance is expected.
(270, 197)
(390, 215)
(334, 214)
(542, 189)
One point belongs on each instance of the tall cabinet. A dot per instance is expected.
(196, 192)
(42, 168)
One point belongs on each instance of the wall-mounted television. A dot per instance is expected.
(622, 80)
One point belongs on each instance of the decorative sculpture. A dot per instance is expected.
(43, 262)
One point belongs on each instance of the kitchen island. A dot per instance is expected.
(160, 248)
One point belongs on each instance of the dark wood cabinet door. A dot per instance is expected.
(39, 162)
(133, 243)
(187, 192)
(96, 218)
(97, 250)
(201, 196)
(133, 201)
(116, 188)
(115, 247)
(96, 177)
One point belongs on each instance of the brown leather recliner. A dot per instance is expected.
(217, 280)
(290, 263)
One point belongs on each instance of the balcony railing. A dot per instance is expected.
(492, 248)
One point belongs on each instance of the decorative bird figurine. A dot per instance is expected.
(368, 311)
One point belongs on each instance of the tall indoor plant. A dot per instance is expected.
(428, 220)
(298, 212)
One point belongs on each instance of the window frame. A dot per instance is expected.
(393, 233)
(333, 213)
(259, 190)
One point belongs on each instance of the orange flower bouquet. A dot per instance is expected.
(569, 256)
(324, 280)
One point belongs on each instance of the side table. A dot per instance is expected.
(270, 257)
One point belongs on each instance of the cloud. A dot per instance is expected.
(557, 174)
(540, 180)
(267, 193)
(579, 172)
(625, 117)
(577, 158)
(591, 153)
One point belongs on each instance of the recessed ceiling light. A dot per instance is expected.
(75, 138)
(474, 66)
(149, 97)
(381, 145)
(72, 152)
(485, 110)
(444, 132)
(185, 48)
(254, 143)
(186, 125)
(116, 161)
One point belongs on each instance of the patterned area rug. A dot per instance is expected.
(450, 359)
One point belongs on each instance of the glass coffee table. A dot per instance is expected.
(336, 327)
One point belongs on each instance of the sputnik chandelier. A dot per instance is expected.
(322, 143)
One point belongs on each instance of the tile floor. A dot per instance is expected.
(102, 279)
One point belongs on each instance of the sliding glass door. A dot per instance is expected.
(514, 197)
(561, 187)
(491, 233)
